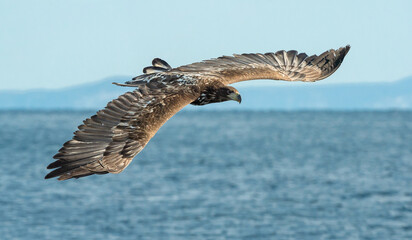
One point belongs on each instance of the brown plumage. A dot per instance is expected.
(108, 141)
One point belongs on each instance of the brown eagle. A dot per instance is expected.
(108, 141)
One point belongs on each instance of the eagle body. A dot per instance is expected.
(108, 141)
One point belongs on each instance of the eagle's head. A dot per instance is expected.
(218, 93)
(228, 93)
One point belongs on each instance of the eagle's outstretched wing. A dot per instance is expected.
(282, 65)
(108, 141)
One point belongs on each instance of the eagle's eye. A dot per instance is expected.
(229, 91)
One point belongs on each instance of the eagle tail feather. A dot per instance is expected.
(160, 63)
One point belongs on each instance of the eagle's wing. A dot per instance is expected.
(108, 141)
(282, 65)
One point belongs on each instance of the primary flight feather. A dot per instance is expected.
(108, 141)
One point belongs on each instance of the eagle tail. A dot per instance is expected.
(158, 65)
(157, 62)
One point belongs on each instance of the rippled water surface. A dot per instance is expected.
(217, 175)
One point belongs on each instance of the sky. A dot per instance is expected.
(55, 44)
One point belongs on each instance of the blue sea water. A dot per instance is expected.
(217, 175)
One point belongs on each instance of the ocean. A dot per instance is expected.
(217, 175)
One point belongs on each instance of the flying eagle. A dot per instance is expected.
(108, 141)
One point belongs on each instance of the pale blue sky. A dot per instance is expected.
(53, 44)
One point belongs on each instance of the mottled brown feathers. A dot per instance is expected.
(282, 65)
(108, 141)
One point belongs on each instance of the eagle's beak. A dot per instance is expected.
(235, 97)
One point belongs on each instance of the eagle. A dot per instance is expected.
(109, 140)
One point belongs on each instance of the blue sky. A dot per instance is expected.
(53, 44)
